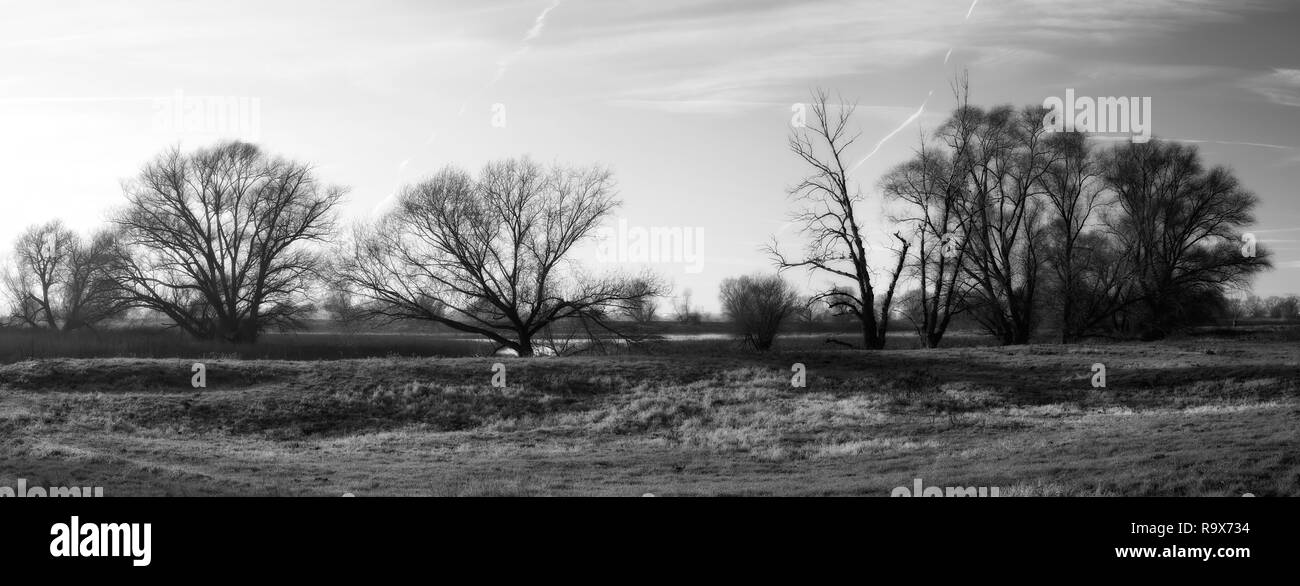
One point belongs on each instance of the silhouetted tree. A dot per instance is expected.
(488, 255)
(757, 306)
(1179, 225)
(683, 312)
(828, 218)
(643, 311)
(216, 239)
(935, 207)
(1003, 170)
(61, 281)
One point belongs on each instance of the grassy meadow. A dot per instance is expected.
(1212, 414)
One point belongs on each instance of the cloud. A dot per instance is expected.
(1281, 87)
(1159, 72)
(761, 50)
(712, 106)
(52, 40)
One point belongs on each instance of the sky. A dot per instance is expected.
(690, 103)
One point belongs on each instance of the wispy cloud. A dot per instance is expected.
(1154, 72)
(54, 40)
(713, 106)
(1281, 87)
(762, 50)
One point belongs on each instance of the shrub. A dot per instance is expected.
(757, 305)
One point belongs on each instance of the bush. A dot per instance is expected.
(757, 305)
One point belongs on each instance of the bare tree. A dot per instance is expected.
(1284, 307)
(338, 306)
(1180, 226)
(643, 311)
(757, 306)
(1005, 165)
(1092, 276)
(61, 281)
(487, 256)
(41, 255)
(828, 218)
(810, 311)
(218, 240)
(683, 312)
(931, 187)
(973, 202)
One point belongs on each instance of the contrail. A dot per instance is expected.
(910, 119)
(1236, 143)
(540, 22)
(913, 117)
(503, 64)
(968, 13)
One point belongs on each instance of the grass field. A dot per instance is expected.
(1204, 415)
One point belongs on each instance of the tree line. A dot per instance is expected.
(995, 219)
(1018, 228)
(228, 241)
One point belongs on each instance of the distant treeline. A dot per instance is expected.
(1021, 228)
(997, 221)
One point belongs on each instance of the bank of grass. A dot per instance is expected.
(18, 344)
(329, 340)
(1192, 416)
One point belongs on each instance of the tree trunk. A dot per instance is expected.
(1067, 318)
(870, 338)
(525, 347)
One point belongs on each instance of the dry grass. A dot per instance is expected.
(1196, 416)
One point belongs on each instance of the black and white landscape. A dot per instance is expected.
(677, 248)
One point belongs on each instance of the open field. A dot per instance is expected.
(1204, 415)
